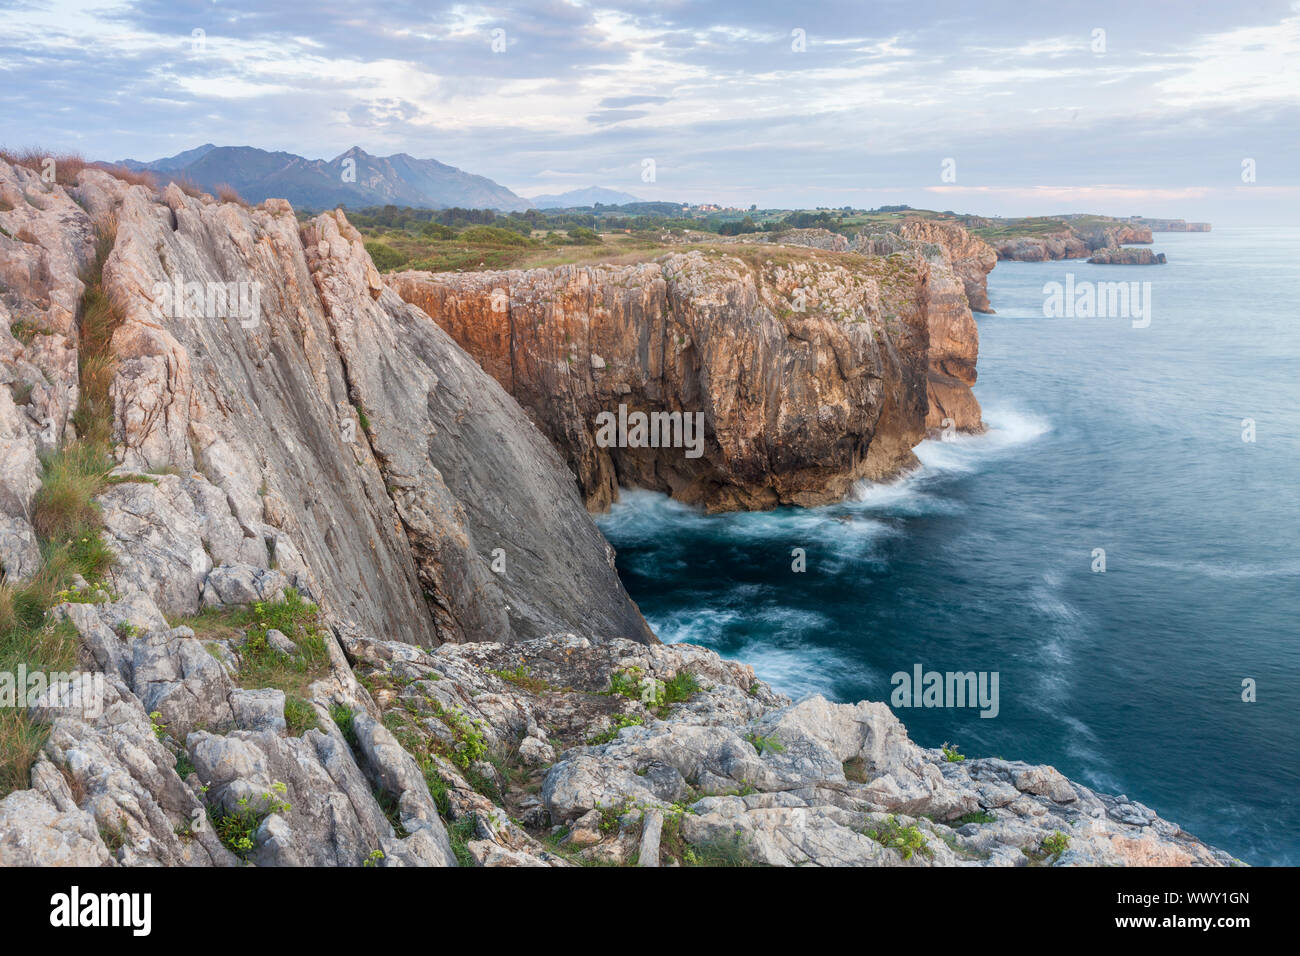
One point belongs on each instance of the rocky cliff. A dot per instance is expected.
(308, 495)
(809, 371)
(1070, 243)
(971, 258)
(337, 436)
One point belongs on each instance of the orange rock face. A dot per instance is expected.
(972, 259)
(807, 370)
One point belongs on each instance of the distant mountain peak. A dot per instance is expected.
(399, 179)
(587, 196)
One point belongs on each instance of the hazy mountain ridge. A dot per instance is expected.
(589, 196)
(353, 178)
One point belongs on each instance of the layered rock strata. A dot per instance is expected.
(809, 371)
(332, 432)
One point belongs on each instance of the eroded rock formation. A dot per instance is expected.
(810, 370)
(972, 259)
(386, 482)
(1070, 243)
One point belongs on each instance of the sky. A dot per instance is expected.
(1153, 108)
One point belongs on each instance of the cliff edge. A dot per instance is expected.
(808, 370)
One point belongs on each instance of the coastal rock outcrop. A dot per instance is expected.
(1126, 256)
(808, 371)
(297, 440)
(670, 754)
(1073, 242)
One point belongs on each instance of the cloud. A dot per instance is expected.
(606, 117)
(716, 93)
(618, 102)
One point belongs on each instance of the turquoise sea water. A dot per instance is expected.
(1102, 436)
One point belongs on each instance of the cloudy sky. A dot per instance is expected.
(1115, 107)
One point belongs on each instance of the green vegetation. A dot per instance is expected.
(619, 721)
(342, 716)
(460, 833)
(906, 840)
(237, 829)
(1056, 844)
(656, 695)
(385, 257)
(766, 744)
(68, 524)
(523, 678)
(25, 332)
(299, 715)
(1050, 848)
(470, 746)
(975, 816)
(437, 786)
(723, 851)
(261, 665)
(951, 754)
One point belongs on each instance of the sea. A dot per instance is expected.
(1121, 547)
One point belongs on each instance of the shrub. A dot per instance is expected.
(228, 193)
(493, 236)
(237, 829)
(299, 715)
(1056, 844)
(907, 840)
(385, 257)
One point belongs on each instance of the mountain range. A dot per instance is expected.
(590, 196)
(354, 179)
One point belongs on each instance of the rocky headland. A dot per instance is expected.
(1172, 225)
(331, 597)
(1071, 242)
(812, 370)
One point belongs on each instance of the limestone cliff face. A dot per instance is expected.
(809, 370)
(334, 438)
(46, 240)
(972, 259)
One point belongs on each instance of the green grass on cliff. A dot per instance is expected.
(68, 524)
(261, 665)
